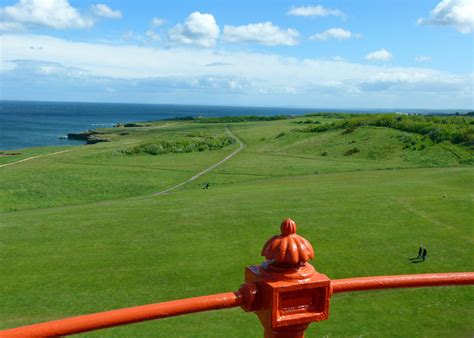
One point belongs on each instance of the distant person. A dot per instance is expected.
(206, 186)
(424, 254)
(420, 251)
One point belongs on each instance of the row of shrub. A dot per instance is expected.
(351, 151)
(348, 152)
(307, 122)
(457, 129)
(233, 119)
(131, 125)
(331, 115)
(184, 146)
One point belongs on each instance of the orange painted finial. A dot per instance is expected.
(288, 227)
(288, 247)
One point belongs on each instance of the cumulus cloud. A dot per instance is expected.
(253, 78)
(129, 35)
(146, 38)
(106, 12)
(58, 14)
(314, 11)
(152, 35)
(422, 58)
(457, 13)
(47, 68)
(9, 26)
(136, 38)
(157, 22)
(53, 78)
(199, 29)
(335, 33)
(263, 33)
(401, 80)
(379, 55)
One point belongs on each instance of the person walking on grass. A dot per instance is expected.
(420, 251)
(424, 254)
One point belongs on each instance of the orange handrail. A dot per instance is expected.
(125, 316)
(137, 314)
(402, 281)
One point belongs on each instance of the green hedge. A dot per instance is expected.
(243, 118)
(184, 146)
(456, 129)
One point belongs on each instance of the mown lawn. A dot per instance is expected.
(99, 172)
(80, 241)
(71, 260)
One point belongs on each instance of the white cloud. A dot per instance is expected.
(140, 39)
(49, 68)
(335, 33)
(314, 11)
(106, 12)
(263, 33)
(58, 14)
(129, 35)
(133, 37)
(9, 26)
(146, 72)
(152, 35)
(422, 58)
(157, 22)
(198, 29)
(457, 13)
(379, 55)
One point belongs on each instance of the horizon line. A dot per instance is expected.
(390, 109)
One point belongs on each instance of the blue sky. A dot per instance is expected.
(338, 54)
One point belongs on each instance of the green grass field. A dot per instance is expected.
(81, 233)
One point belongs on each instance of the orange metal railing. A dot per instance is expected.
(402, 281)
(137, 314)
(102, 320)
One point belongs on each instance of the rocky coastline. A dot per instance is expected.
(93, 136)
(89, 136)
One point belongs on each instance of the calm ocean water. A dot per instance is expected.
(28, 124)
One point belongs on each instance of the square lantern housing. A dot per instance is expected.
(291, 302)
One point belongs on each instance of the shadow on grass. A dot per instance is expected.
(416, 260)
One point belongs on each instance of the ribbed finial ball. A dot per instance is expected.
(288, 227)
(288, 247)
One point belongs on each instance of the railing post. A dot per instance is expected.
(287, 292)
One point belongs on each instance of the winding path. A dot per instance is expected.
(68, 150)
(195, 177)
(33, 157)
(159, 193)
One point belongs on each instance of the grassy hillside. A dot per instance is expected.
(276, 149)
(104, 170)
(80, 241)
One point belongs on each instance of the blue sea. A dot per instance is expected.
(29, 124)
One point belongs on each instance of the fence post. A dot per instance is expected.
(287, 292)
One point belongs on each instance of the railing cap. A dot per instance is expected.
(288, 247)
